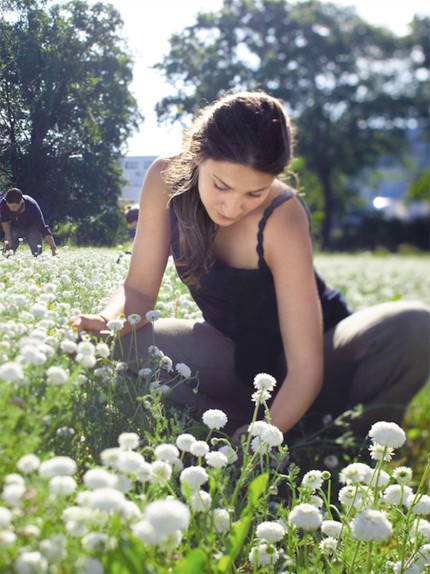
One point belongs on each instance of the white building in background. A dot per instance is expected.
(135, 168)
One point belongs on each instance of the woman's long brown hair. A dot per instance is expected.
(248, 128)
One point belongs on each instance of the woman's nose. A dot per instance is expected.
(232, 207)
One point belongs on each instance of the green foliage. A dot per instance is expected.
(64, 81)
(342, 81)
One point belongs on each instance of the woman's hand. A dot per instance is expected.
(90, 324)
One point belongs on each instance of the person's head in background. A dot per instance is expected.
(131, 213)
(14, 199)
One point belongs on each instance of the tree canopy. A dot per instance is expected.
(66, 108)
(342, 81)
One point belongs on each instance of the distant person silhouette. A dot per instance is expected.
(22, 218)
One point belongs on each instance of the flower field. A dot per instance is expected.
(100, 475)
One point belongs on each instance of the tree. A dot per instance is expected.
(66, 109)
(340, 79)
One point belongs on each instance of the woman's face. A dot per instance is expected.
(229, 191)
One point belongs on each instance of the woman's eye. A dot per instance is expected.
(216, 186)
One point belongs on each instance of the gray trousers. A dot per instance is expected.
(378, 357)
(31, 234)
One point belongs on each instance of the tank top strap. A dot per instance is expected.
(279, 200)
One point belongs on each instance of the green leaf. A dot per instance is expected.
(239, 532)
(257, 488)
(192, 563)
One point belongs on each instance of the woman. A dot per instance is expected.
(240, 240)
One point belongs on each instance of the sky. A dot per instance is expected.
(148, 25)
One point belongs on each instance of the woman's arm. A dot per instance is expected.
(150, 252)
(288, 252)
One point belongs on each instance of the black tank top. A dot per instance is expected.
(241, 303)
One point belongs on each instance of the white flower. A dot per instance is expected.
(260, 396)
(387, 434)
(102, 350)
(328, 545)
(108, 499)
(28, 463)
(153, 315)
(166, 363)
(199, 448)
(38, 310)
(57, 466)
(402, 474)
(183, 370)
(185, 441)
(167, 515)
(194, 477)
(331, 461)
(129, 440)
(264, 382)
(263, 555)
(5, 516)
(419, 504)
(379, 452)
(31, 563)
(257, 428)
(305, 516)
(216, 459)
(31, 530)
(316, 501)
(134, 319)
(68, 346)
(272, 436)
(33, 355)
(7, 538)
(14, 478)
(270, 532)
(129, 462)
(421, 526)
(160, 471)
(62, 485)
(87, 361)
(65, 432)
(200, 501)
(110, 456)
(350, 495)
(356, 472)
(167, 452)
(86, 348)
(92, 566)
(95, 542)
(396, 494)
(12, 494)
(229, 453)
(11, 371)
(57, 375)
(371, 525)
(221, 519)
(145, 372)
(145, 473)
(379, 478)
(313, 479)
(99, 478)
(214, 418)
(116, 324)
(147, 533)
(331, 528)
(54, 548)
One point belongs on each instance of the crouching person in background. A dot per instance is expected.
(22, 218)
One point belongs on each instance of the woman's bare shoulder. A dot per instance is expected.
(155, 185)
